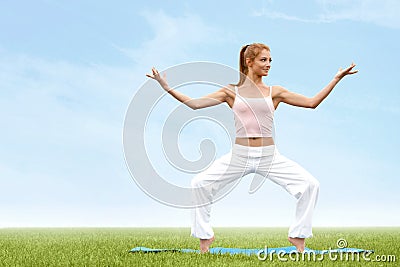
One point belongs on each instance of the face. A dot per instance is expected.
(261, 64)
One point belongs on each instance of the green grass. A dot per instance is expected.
(110, 246)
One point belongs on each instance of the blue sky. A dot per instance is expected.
(69, 70)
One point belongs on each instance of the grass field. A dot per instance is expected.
(110, 246)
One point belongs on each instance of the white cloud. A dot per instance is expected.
(279, 15)
(383, 13)
(174, 38)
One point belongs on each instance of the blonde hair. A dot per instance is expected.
(248, 51)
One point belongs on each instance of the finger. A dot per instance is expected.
(350, 68)
(352, 72)
(150, 76)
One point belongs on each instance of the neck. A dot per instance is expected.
(254, 78)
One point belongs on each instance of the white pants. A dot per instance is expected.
(209, 185)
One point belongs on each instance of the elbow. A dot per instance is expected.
(312, 104)
(195, 104)
(192, 105)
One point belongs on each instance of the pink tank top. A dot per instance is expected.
(254, 117)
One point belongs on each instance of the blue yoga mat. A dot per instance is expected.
(251, 251)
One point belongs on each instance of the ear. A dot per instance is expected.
(249, 62)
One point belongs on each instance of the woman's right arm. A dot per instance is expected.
(209, 100)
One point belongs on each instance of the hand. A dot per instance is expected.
(343, 72)
(156, 76)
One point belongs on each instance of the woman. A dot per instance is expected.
(254, 150)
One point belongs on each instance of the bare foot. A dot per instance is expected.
(298, 242)
(205, 244)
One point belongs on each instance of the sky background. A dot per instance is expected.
(68, 70)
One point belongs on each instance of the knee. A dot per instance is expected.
(313, 183)
(309, 186)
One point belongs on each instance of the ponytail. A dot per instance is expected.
(243, 66)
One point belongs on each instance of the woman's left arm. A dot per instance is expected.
(283, 95)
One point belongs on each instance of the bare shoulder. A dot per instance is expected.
(229, 87)
(229, 90)
(278, 90)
